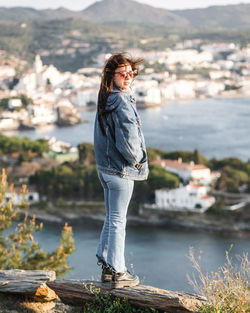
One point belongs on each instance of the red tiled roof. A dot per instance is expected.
(206, 197)
(173, 164)
(19, 190)
(196, 186)
(180, 165)
(199, 167)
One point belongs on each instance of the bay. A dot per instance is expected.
(216, 127)
(158, 255)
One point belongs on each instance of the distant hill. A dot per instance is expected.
(227, 16)
(71, 40)
(130, 11)
(108, 11)
(23, 14)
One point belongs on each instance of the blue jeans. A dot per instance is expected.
(117, 195)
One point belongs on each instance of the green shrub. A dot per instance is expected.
(232, 178)
(161, 178)
(19, 250)
(231, 185)
(111, 304)
(217, 208)
(14, 144)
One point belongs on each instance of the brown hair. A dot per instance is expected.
(107, 81)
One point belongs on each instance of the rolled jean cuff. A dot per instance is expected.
(100, 261)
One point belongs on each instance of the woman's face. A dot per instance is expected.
(123, 76)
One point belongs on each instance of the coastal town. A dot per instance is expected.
(187, 219)
(191, 69)
(183, 186)
(39, 95)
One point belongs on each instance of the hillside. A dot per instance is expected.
(23, 14)
(227, 16)
(130, 11)
(71, 40)
(109, 11)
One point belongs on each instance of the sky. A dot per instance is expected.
(77, 5)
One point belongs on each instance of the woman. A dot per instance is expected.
(121, 158)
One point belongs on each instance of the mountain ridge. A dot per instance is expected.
(130, 11)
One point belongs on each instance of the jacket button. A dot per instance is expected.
(138, 166)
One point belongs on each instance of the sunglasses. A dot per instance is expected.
(124, 75)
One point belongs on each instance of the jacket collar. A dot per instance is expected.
(117, 89)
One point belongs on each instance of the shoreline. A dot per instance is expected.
(183, 223)
(224, 95)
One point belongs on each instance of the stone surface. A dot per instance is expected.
(30, 283)
(77, 292)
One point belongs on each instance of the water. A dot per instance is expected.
(217, 127)
(158, 255)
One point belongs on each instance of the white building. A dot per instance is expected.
(217, 48)
(17, 197)
(209, 88)
(41, 115)
(179, 89)
(59, 146)
(225, 64)
(15, 115)
(187, 171)
(190, 56)
(147, 92)
(213, 75)
(7, 71)
(64, 102)
(86, 96)
(191, 197)
(27, 83)
(9, 124)
(40, 77)
(14, 103)
(240, 56)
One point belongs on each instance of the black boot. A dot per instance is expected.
(106, 274)
(106, 271)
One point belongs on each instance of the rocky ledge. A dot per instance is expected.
(68, 116)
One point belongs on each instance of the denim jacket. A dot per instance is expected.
(122, 151)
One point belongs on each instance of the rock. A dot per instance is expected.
(67, 116)
(29, 283)
(77, 292)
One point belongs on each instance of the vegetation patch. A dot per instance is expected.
(227, 290)
(18, 249)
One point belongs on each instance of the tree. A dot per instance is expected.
(18, 249)
(13, 144)
(197, 157)
(154, 154)
(26, 100)
(231, 179)
(186, 156)
(232, 185)
(86, 153)
(161, 178)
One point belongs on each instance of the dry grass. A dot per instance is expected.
(228, 289)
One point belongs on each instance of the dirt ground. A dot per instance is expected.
(18, 304)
